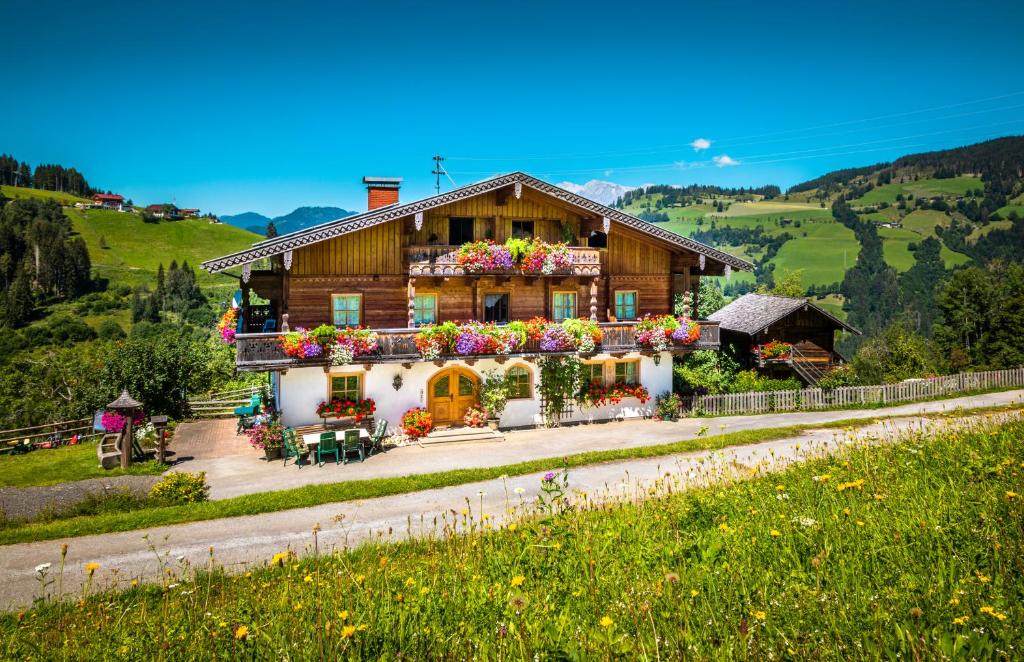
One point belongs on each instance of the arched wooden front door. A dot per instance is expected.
(450, 393)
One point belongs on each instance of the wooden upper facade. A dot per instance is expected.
(394, 267)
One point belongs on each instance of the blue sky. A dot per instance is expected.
(268, 106)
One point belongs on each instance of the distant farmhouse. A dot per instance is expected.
(110, 201)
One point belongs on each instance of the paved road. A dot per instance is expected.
(241, 541)
(233, 468)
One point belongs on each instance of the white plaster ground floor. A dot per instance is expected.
(300, 390)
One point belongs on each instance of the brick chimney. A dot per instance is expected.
(381, 191)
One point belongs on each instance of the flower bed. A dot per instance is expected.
(528, 256)
(227, 325)
(476, 338)
(115, 422)
(774, 350)
(417, 422)
(343, 346)
(343, 407)
(596, 394)
(660, 332)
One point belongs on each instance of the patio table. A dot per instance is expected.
(312, 440)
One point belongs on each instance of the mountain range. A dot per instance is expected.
(300, 219)
(599, 191)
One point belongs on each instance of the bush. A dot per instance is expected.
(494, 393)
(110, 330)
(750, 380)
(843, 375)
(180, 487)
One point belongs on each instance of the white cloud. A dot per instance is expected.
(609, 172)
(724, 160)
(700, 143)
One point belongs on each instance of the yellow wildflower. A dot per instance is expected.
(954, 602)
(961, 620)
(984, 579)
(92, 567)
(775, 533)
(409, 583)
(360, 579)
(1011, 495)
(343, 615)
(606, 622)
(241, 633)
(279, 558)
(383, 561)
(993, 613)
(860, 522)
(760, 615)
(780, 488)
(694, 593)
(348, 631)
(512, 526)
(308, 578)
(518, 580)
(852, 485)
(724, 528)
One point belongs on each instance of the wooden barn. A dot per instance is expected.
(760, 326)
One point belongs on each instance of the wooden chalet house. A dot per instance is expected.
(394, 269)
(754, 320)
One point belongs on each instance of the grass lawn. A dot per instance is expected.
(62, 465)
(15, 192)
(833, 303)
(828, 250)
(923, 221)
(135, 249)
(909, 551)
(953, 187)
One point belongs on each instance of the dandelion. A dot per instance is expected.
(348, 631)
(822, 478)
(724, 528)
(993, 613)
(775, 533)
(241, 633)
(409, 583)
(954, 602)
(308, 579)
(383, 561)
(92, 568)
(694, 593)
(519, 490)
(984, 579)
(343, 615)
(860, 522)
(360, 579)
(852, 485)
(280, 558)
(780, 488)
(1011, 495)
(606, 622)
(512, 526)
(518, 580)
(518, 602)
(760, 615)
(961, 620)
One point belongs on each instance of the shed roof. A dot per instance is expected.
(753, 313)
(287, 242)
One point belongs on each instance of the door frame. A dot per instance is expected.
(453, 372)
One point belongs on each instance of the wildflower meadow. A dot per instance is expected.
(910, 550)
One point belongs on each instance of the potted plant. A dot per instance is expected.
(345, 410)
(417, 422)
(476, 417)
(268, 436)
(494, 391)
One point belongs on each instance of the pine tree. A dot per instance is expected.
(138, 307)
(19, 302)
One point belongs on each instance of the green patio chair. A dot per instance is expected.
(377, 438)
(352, 444)
(291, 447)
(252, 408)
(328, 446)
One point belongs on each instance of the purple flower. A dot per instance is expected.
(311, 350)
(555, 339)
(549, 476)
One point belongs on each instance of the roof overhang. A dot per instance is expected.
(292, 241)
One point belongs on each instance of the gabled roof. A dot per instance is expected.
(331, 229)
(753, 313)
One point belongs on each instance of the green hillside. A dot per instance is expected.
(135, 249)
(15, 192)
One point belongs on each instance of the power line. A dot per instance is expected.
(732, 141)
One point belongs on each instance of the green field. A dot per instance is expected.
(135, 249)
(15, 192)
(905, 551)
(833, 303)
(982, 230)
(824, 254)
(895, 247)
(955, 186)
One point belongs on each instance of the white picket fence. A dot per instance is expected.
(853, 396)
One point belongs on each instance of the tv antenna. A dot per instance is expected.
(438, 171)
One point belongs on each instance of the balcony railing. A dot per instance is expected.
(443, 261)
(262, 351)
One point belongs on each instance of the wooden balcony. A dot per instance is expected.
(443, 261)
(262, 351)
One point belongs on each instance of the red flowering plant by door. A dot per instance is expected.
(417, 422)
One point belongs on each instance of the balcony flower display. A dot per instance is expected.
(345, 408)
(485, 256)
(417, 422)
(227, 326)
(528, 256)
(596, 394)
(774, 350)
(556, 339)
(659, 332)
(542, 257)
(342, 345)
(470, 339)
